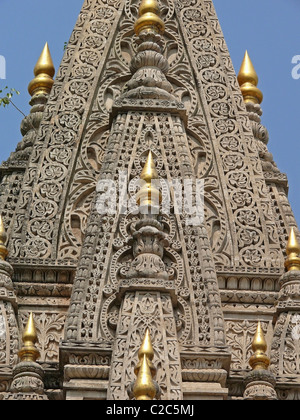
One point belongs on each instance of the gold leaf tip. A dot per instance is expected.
(44, 72)
(45, 63)
(30, 334)
(29, 352)
(146, 347)
(248, 81)
(149, 195)
(149, 172)
(292, 262)
(259, 343)
(144, 388)
(259, 360)
(247, 72)
(293, 244)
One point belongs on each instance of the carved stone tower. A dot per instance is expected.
(105, 245)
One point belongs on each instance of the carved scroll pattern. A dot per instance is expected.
(139, 311)
(285, 360)
(50, 328)
(240, 337)
(239, 167)
(45, 183)
(9, 335)
(90, 159)
(99, 273)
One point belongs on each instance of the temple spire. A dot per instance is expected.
(28, 376)
(149, 66)
(29, 351)
(44, 72)
(146, 350)
(259, 360)
(260, 382)
(248, 81)
(145, 387)
(292, 262)
(149, 195)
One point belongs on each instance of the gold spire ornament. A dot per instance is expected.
(248, 81)
(259, 360)
(292, 262)
(29, 351)
(149, 18)
(3, 238)
(44, 72)
(144, 387)
(149, 195)
(146, 349)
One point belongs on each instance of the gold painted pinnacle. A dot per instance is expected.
(292, 262)
(44, 72)
(149, 172)
(149, 195)
(149, 18)
(146, 350)
(29, 352)
(146, 347)
(3, 238)
(259, 360)
(248, 81)
(144, 388)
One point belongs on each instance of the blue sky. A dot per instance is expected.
(269, 29)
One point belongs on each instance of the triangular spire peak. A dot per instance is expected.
(44, 72)
(29, 351)
(293, 252)
(259, 360)
(248, 81)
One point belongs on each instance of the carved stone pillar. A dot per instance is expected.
(285, 356)
(28, 376)
(260, 383)
(260, 386)
(148, 296)
(9, 333)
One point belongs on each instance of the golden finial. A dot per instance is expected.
(29, 352)
(149, 195)
(3, 238)
(259, 360)
(144, 388)
(292, 262)
(149, 172)
(248, 81)
(149, 18)
(44, 72)
(146, 349)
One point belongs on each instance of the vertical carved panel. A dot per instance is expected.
(139, 311)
